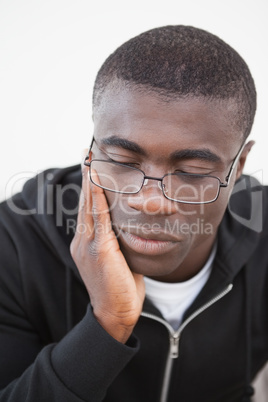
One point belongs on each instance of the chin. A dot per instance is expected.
(159, 266)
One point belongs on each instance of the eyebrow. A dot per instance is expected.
(203, 154)
(124, 144)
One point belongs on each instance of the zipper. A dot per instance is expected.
(174, 338)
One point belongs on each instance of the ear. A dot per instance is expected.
(84, 154)
(243, 158)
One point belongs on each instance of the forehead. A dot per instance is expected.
(151, 120)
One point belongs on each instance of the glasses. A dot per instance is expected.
(187, 188)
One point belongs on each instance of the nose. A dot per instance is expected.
(151, 200)
(146, 181)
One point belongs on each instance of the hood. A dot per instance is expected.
(242, 225)
(52, 198)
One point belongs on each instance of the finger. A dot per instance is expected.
(100, 208)
(84, 218)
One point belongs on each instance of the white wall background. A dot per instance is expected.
(51, 50)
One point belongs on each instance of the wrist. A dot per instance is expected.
(119, 330)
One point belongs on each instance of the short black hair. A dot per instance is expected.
(179, 62)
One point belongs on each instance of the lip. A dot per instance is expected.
(150, 234)
(149, 243)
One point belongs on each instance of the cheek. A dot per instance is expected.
(117, 205)
(204, 219)
(112, 199)
(214, 212)
(208, 212)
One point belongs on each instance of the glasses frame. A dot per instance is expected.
(160, 179)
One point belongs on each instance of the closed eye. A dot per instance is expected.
(124, 163)
(194, 172)
(120, 159)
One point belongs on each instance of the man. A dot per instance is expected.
(163, 297)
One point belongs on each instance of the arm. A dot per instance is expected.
(80, 367)
(83, 364)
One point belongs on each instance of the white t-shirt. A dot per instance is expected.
(173, 299)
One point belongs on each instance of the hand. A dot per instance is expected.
(116, 293)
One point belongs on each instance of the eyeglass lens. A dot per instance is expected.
(189, 188)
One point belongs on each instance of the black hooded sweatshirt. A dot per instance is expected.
(53, 349)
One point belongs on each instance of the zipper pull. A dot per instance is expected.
(174, 346)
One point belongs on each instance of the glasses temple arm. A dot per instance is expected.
(89, 150)
(233, 165)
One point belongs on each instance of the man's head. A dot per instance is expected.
(173, 100)
(181, 62)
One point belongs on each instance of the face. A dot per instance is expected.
(160, 238)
